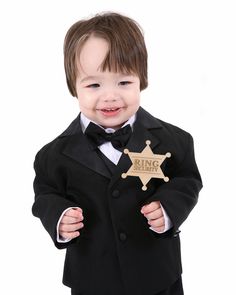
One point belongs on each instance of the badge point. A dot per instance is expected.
(123, 175)
(144, 188)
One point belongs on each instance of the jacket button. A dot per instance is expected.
(122, 237)
(115, 194)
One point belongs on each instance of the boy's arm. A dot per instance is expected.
(49, 203)
(180, 194)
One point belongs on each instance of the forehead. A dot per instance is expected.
(92, 54)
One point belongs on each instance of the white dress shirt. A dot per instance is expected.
(114, 155)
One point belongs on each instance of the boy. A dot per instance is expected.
(119, 239)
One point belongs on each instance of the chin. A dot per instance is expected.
(114, 125)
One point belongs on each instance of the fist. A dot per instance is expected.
(154, 214)
(71, 223)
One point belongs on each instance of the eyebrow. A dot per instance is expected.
(88, 78)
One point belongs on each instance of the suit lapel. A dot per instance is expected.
(79, 149)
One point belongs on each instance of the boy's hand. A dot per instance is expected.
(154, 215)
(71, 223)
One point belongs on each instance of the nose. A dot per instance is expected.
(110, 95)
(110, 98)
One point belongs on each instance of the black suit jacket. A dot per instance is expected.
(116, 252)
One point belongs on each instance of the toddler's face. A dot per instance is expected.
(107, 98)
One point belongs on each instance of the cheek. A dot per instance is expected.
(86, 101)
(135, 97)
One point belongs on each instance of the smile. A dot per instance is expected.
(110, 111)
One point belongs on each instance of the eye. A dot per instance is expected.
(94, 85)
(123, 83)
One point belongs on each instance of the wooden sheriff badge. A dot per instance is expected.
(146, 165)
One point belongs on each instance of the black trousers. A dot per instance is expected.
(175, 289)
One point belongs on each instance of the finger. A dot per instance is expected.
(69, 219)
(154, 214)
(150, 207)
(70, 227)
(157, 222)
(71, 235)
(159, 229)
(74, 212)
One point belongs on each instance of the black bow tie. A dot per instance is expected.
(98, 135)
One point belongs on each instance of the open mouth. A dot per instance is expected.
(110, 110)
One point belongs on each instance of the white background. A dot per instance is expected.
(192, 75)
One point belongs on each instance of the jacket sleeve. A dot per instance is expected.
(180, 194)
(50, 202)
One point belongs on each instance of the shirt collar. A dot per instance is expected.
(85, 122)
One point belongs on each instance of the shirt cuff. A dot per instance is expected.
(168, 223)
(59, 238)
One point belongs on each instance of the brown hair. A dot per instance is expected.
(127, 50)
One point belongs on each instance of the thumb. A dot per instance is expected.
(144, 209)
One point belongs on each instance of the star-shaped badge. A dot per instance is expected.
(146, 165)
